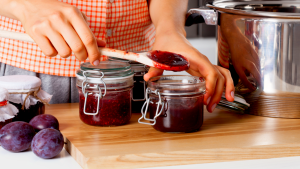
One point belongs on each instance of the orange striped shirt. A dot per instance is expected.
(123, 24)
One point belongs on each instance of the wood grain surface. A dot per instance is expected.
(224, 136)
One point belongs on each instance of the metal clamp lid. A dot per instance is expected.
(86, 85)
(146, 105)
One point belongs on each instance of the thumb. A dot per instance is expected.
(96, 62)
(152, 73)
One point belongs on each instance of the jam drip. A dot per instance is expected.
(180, 114)
(168, 60)
(114, 108)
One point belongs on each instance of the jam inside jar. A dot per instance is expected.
(27, 114)
(105, 93)
(174, 104)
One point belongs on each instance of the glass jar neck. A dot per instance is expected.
(177, 85)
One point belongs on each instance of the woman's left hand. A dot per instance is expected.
(216, 77)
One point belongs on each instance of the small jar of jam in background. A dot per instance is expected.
(26, 94)
(175, 103)
(7, 110)
(105, 93)
(139, 87)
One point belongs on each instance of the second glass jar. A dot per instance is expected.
(174, 103)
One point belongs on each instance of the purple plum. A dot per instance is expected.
(16, 136)
(47, 143)
(44, 121)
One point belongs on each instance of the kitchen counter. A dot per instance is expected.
(206, 46)
(251, 138)
(224, 137)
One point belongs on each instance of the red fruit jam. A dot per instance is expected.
(27, 114)
(114, 108)
(180, 114)
(169, 61)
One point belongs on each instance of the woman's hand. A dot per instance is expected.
(168, 17)
(58, 28)
(244, 57)
(216, 77)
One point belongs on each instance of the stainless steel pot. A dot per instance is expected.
(259, 42)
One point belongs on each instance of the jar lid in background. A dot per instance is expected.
(135, 66)
(24, 89)
(20, 83)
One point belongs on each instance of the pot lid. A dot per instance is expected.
(267, 8)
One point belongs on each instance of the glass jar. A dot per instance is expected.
(26, 94)
(105, 93)
(7, 110)
(139, 87)
(175, 103)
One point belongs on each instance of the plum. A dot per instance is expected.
(16, 136)
(44, 121)
(47, 143)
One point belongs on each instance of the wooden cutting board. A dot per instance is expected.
(224, 136)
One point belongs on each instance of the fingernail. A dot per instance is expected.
(213, 107)
(208, 100)
(232, 94)
(96, 62)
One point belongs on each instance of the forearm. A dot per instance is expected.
(168, 16)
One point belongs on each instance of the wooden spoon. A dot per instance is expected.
(158, 59)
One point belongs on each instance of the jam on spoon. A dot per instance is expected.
(168, 60)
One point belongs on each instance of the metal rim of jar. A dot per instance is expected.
(153, 86)
(182, 94)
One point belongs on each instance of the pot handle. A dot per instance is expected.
(201, 15)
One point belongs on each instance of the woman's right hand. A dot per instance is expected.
(58, 28)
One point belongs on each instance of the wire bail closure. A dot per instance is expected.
(86, 85)
(146, 105)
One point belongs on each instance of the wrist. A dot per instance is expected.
(10, 9)
(169, 29)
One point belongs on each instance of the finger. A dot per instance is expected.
(241, 72)
(152, 73)
(74, 41)
(45, 45)
(87, 37)
(216, 97)
(251, 67)
(43, 42)
(210, 83)
(201, 66)
(84, 17)
(229, 90)
(101, 43)
(59, 43)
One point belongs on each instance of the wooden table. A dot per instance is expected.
(224, 136)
